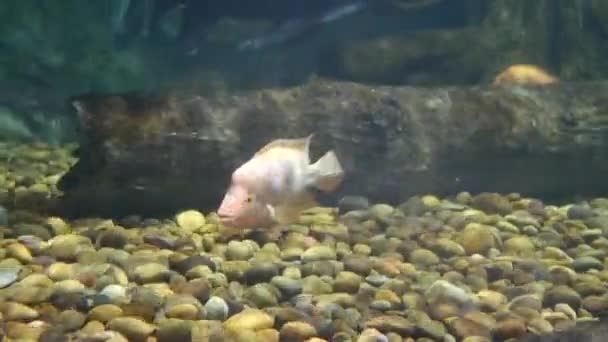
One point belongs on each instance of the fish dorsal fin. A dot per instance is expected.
(301, 144)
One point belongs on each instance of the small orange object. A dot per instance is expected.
(525, 73)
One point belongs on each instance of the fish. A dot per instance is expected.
(525, 73)
(271, 189)
(293, 28)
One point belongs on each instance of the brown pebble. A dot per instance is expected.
(511, 327)
(462, 327)
(105, 313)
(183, 311)
(270, 335)
(22, 331)
(596, 304)
(93, 327)
(297, 331)
(442, 311)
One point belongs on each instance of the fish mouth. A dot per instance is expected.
(225, 218)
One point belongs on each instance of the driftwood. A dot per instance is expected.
(154, 154)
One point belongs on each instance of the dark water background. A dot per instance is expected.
(52, 51)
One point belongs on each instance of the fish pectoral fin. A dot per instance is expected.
(327, 172)
(286, 214)
(290, 212)
(328, 183)
(227, 232)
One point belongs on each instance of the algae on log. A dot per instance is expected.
(155, 154)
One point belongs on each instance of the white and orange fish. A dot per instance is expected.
(272, 188)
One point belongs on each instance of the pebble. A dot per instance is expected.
(466, 268)
(381, 211)
(519, 246)
(377, 279)
(530, 301)
(492, 203)
(160, 241)
(8, 275)
(184, 265)
(424, 258)
(349, 203)
(13, 311)
(61, 271)
(190, 220)
(391, 323)
(132, 328)
(66, 247)
(289, 287)
(70, 320)
(197, 288)
(596, 304)
(249, 319)
(465, 328)
(444, 290)
(347, 281)
(178, 330)
(21, 229)
(68, 286)
(431, 329)
(579, 212)
(113, 238)
(491, 300)
(539, 326)
(183, 311)
(238, 250)
(216, 308)
(512, 327)
(105, 313)
(585, 263)
(92, 327)
(478, 238)
(261, 273)
(316, 253)
(19, 252)
(297, 331)
(261, 295)
(151, 273)
(567, 310)
(357, 264)
(447, 248)
(562, 294)
(115, 293)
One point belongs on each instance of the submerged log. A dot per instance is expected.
(154, 154)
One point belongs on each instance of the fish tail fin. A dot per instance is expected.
(328, 172)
